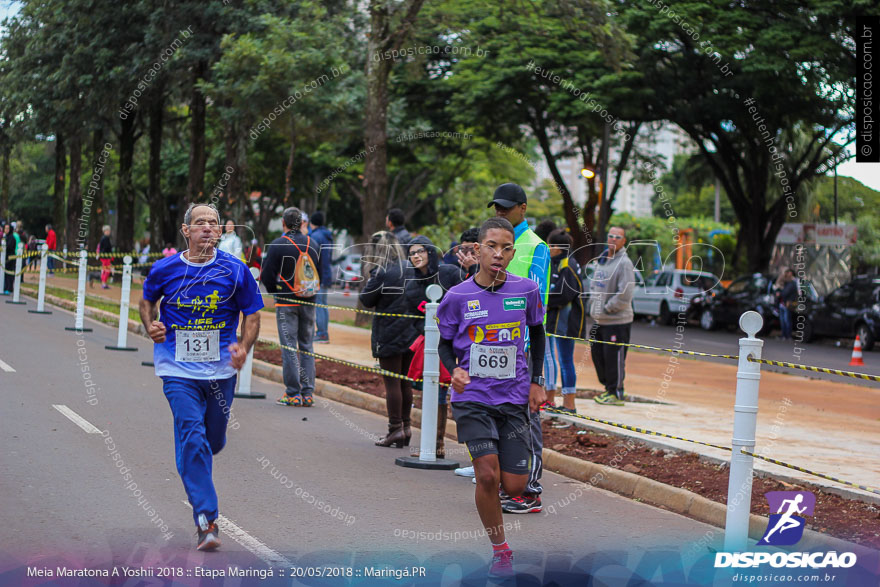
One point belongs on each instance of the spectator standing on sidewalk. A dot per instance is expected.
(787, 301)
(427, 270)
(323, 240)
(105, 247)
(566, 316)
(611, 292)
(9, 275)
(230, 242)
(391, 336)
(292, 281)
(52, 244)
(394, 221)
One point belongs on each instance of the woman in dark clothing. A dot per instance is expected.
(9, 275)
(566, 316)
(104, 248)
(426, 270)
(392, 335)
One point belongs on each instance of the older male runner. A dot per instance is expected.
(202, 291)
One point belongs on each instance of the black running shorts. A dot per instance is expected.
(502, 430)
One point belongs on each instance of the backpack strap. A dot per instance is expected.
(308, 243)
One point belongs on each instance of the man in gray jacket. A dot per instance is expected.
(611, 292)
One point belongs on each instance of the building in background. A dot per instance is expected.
(667, 140)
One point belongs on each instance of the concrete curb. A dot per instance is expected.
(674, 499)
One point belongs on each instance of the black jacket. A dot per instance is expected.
(383, 292)
(280, 264)
(566, 289)
(402, 234)
(446, 276)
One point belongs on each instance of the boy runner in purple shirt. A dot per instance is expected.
(483, 323)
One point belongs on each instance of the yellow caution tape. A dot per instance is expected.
(817, 369)
(744, 451)
(643, 346)
(346, 308)
(809, 472)
(382, 372)
(632, 428)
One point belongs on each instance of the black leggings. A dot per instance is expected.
(398, 392)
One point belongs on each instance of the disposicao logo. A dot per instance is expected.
(786, 527)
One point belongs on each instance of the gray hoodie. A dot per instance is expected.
(611, 290)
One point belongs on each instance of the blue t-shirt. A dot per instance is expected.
(205, 298)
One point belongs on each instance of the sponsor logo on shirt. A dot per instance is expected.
(495, 332)
(473, 305)
(479, 314)
(514, 303)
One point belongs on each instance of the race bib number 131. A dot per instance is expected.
(197, 346)
(497, 362)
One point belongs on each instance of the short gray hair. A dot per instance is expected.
(187, 216)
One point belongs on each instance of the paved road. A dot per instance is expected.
(64, 501)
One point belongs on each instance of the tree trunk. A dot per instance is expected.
(58, 189)
(288, 172)
(375, 128)
(195, 186)
(74, 197)
(96, 190)
(125, 194)
(582, 234)
(158, 210)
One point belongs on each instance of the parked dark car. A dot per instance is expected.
(749, 292)
(851, 309)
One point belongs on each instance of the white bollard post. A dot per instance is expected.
(16, 280)
(427, 458)
(41, 290)
(745, 419)
(123, 308)
(245, 377)
(80, 292)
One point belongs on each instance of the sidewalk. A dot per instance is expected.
(830, 427)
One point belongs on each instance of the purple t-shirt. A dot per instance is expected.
(472, 317)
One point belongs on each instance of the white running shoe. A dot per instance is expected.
(465, 472)
(474, 479)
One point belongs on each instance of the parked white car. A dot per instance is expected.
(669, 292)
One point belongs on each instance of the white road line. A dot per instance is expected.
(5, 366)
(260, 550)
(76, 419)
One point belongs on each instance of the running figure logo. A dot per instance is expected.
(786, 526)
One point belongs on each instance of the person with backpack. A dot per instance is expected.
(290, 274)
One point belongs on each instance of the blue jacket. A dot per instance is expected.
(323, 241)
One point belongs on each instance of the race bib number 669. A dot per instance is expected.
(197, 346)
(497, 362)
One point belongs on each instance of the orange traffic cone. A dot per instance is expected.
(347, 291)
(856, 360)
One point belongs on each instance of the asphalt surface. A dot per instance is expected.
(64, 501)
